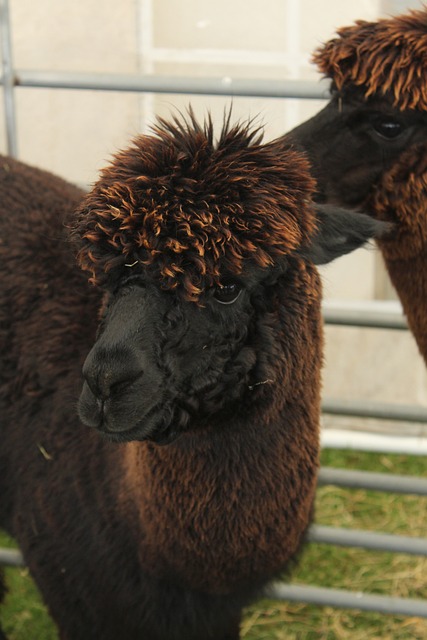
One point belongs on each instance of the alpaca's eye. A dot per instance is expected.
(228, 292)
(387, 127)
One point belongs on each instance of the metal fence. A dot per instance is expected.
(12, 78)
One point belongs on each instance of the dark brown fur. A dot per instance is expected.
(137, 540)
(379, 85)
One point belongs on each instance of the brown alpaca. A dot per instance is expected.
(205, 368)
(368, 147)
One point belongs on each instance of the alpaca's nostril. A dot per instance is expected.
(108, 384)
(121, 385)
(110, 374)
(94, 388)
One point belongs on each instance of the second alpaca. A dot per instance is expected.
(368, 147)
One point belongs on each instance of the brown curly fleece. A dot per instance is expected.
(188, 209)
(388, 56)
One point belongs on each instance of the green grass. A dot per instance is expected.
(24, 616)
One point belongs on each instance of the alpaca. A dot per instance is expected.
(193, 485)
(368, 146)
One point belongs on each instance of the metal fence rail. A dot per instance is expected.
(379, 410)
(373, 318)
(11, 558)
(26, 79)
(145, 83)
(343, 599)
(386, 482)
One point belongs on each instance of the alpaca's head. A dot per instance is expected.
(204, 250)
(378, 109)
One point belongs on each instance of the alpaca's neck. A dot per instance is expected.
(214, 511)
(400, 198)
(409, 277)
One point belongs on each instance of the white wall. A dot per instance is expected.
(72, 132)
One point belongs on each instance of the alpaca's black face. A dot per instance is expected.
(160, 362)
(353, 141)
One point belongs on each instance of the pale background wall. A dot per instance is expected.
(73, 133)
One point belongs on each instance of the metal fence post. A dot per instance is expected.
(8, 79)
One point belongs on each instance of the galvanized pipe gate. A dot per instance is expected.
(12, 78)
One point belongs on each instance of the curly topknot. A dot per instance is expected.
(384, 57)
(187, 210)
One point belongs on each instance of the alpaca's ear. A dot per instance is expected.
(340, 231)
